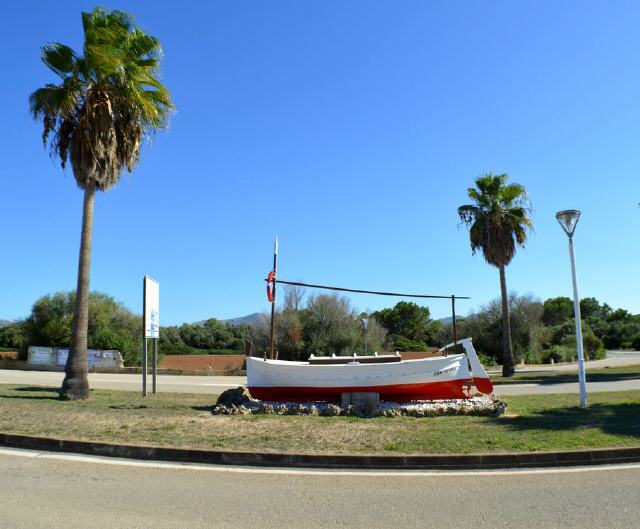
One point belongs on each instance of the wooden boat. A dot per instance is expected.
(326, 378)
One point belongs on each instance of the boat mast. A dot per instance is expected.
(273, 302)
(453, 319)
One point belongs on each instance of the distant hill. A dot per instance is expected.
(249, 319)
(449, 319)
(4, 323)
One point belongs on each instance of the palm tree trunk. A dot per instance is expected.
(75, 385)
(507, 350)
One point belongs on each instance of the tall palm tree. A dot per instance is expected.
(498, 220)
(107, 102)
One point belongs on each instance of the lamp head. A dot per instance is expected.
(568, 220)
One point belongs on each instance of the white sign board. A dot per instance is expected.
(92, 356)
(151, 308)
(41, 355)
(61, 357)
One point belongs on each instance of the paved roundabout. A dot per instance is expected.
(45, 490)
(48, 486)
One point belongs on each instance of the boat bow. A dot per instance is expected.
(480, 377)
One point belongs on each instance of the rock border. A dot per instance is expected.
(238, 401)
(481, 406)
(601, 456)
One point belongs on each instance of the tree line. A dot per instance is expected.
(326, 324)
(322, 324)
(111, 325)
(545, 331)
(541, 332)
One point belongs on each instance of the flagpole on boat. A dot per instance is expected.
(453, 319)
(273, 302)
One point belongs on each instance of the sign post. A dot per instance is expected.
(151, 330)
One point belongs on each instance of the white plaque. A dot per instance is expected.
(151, 308)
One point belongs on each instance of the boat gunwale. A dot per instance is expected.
(295, 363)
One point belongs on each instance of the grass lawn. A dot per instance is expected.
(542, 422)
(602, 374)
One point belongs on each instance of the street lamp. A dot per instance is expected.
(568, 219)
(365, 324)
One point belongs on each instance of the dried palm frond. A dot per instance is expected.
(108, 101)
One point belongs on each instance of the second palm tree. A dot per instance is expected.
(498, 219)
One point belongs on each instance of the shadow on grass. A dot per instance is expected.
(37, 389)
(562, 378)
(614, 419)
(30, 397)
(203, 408)
(52, 393)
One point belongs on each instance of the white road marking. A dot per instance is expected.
(308, 472)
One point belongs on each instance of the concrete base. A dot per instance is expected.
(364, 404)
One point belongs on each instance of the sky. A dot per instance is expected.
(350, 130)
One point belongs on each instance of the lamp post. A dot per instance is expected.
(365, 324)
(568, 219)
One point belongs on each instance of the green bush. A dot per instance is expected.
(592, 345)
(486, 360)
(553, 353)
(400, 343)
(12, 338)
(557, 353)
(533, 357)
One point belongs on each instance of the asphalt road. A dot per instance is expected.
(613, 359)
(50, 491)
(170, 383)
(217, 384)
(547, 389)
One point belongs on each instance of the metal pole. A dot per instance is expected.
(453, 320)
(576, 309)
(144, 337)
(144, 367)
(273, 303)
(155, 365)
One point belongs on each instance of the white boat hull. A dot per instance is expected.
(449, 377)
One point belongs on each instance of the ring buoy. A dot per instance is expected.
(271, 292)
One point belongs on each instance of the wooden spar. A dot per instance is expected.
(453, 319)
(376, 292)
(272, 344)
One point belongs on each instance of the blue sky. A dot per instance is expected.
(350, 130)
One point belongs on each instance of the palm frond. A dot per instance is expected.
(109, 101)
(59, 58)
(468, 213)
(498, 220)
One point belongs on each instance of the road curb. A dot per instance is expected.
(605, 456)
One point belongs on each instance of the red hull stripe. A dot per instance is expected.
(483, 385)
(452, 389)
